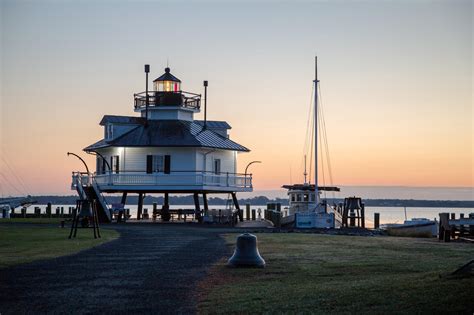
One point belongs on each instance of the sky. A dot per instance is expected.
(395, 76)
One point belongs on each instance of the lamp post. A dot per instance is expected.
(247, 167)
(87, 168)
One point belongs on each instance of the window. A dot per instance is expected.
(155, 163)
(109, 131)
(217, 166)
(298, 197)
(293, 198)
(114, 163)
(305, 197)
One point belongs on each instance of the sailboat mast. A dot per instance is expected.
(316, 192)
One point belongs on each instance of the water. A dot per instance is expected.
(387, 214)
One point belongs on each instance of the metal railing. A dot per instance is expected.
(178, 178)
(156, 99)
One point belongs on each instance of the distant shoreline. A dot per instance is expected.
(263, 200)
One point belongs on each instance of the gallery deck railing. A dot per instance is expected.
(181, 178)
(179, 98)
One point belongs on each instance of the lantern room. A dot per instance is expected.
(167, 82)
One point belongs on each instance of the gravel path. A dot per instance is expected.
(149, 269)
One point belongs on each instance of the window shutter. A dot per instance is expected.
(167, 164)
(149, 164)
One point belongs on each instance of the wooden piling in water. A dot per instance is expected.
(376, 220)
(253, 215)
(247, 211)
(48, 210)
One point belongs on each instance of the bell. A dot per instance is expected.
(246, 252)
(353, 203)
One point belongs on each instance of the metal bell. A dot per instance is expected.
(246, 252)
(353, 203)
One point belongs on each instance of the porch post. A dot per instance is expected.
(140, 206)
(236, 204)
(206, 206)
(197, 210)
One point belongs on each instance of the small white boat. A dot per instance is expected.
(416, 227)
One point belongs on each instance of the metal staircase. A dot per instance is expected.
(88, 189)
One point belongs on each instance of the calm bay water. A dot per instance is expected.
(387, 214)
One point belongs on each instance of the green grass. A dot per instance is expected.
(310, 273)
(33, 220)
(23, 244)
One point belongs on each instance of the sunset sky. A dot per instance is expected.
(396, 83)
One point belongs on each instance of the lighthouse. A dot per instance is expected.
(163, 150)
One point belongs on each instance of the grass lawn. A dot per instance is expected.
(22, 244)
(33, 220)
(311, 273)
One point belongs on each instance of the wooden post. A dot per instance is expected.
(140, 206)
(124, 199)
(197, 208)
(376, 220)
(23, 212)
(362, 214)
(253, 215)
(461, 227)
(206, 206)
(247, 211)
(48, 209)
(165, 210)
(58, 209)
(352, 218)
(444, 227)
(471, 226)
(453, 228)
(236, 204)
(155, 211)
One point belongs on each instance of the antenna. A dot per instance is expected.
(147, 70)
(205, 104)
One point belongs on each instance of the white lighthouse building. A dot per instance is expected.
(163, 150)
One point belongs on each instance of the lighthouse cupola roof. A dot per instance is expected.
(167, 76)
(167, 82)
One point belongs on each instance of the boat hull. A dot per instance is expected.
(429, 229)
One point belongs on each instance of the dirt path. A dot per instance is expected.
(149, 269)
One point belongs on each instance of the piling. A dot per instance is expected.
(376, 220)
(57, 211)
(69, 210)
(62, 211)
(253, 215)
(37, 212)
(48, 210)
(247, 211)
(155, 212)
(23, 212)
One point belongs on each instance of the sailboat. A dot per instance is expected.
(306, 207)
